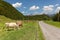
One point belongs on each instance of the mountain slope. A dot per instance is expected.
(7, 10)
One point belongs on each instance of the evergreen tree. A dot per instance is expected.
(56, 17)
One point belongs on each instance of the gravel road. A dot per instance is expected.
(50, 32)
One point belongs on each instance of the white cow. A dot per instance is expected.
(11, 25)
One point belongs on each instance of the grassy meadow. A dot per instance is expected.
(54, 23)
(29, 31)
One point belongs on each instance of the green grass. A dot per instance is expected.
(40, 34)
(29, 31)
(57, 24)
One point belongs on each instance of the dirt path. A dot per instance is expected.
(50, 32)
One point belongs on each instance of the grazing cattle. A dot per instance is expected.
(11, 25)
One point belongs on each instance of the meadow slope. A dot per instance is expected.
(29, 31)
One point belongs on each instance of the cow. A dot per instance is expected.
(11, 25)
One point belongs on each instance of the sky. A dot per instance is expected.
(36, 7)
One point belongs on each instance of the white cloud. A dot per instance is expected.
(48, 8)
(34, 7)
(57, 5)
(57, 9)
(51, 5)
(17, 4)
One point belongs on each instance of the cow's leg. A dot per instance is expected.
(15, 27)
(7, 28)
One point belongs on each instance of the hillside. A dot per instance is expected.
(7, 10)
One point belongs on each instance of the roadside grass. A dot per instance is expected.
(54, 23)
(40, 34)
(29, 31)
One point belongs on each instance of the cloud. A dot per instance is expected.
(17, 4)
(51, 6)
(34, 7)
(57, 5)
(48, 8)
(57, 9)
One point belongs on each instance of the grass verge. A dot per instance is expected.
(57, 24)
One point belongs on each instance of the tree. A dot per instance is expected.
(59, 16)
(56, 17)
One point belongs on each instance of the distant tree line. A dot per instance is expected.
(37, 17)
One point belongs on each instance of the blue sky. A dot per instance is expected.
(33, 7)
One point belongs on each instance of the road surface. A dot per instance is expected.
(50, 32)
